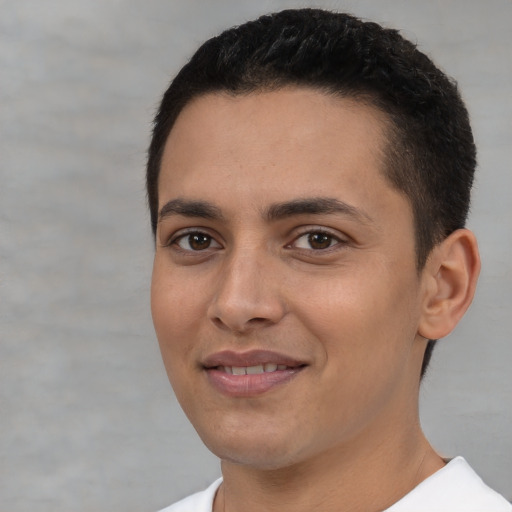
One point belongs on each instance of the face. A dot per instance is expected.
(285, 295)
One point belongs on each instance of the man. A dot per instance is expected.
(309, 179)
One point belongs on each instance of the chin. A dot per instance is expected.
(258, 452)
(259, 459)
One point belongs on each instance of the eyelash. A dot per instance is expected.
(333, 241)
(175, 240)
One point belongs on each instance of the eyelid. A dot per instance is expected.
(181, 233)
(340, 238)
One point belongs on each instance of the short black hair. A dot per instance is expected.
(430, 152)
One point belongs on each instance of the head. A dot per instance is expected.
(307, 177)
(430, 155)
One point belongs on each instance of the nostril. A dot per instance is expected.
(258, 320)
(242, 327)
(239, 307)
(219, 323)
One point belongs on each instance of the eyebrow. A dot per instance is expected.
(189, 208)
(315, 206)
(277, 211)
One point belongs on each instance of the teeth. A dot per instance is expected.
(253, 370)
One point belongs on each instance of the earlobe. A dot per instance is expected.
(450, 276)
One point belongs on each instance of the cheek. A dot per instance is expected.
(175, 316)
(365, 344)
(172, 319)
(361, 318)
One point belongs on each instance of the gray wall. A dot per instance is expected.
(87, 418)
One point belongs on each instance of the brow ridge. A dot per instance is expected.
(313, 206)
(190, 208)
(276, 211)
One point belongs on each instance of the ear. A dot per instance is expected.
(449, 277)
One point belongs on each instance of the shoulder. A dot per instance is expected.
(199, 502)
(456, 487)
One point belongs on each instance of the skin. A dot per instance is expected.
(338, 291)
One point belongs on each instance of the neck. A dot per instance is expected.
(358, 476)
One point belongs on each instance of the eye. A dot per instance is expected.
(195, 241)
(316, 240)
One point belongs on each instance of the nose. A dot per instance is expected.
(247, 295)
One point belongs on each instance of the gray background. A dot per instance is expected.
(87, 418)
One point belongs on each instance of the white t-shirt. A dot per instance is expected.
(454, 488)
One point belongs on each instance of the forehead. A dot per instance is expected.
(291, 142)
(280, 115)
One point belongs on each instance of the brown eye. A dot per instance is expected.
(199, 241)
(316, 241)
(319, 240)
(195, 242)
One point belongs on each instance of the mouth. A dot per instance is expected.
(250, 373)
(253, 370)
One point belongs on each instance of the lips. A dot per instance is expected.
(253, 370)
(245, 374)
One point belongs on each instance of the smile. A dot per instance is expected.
(252, 370)
(249, 374)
